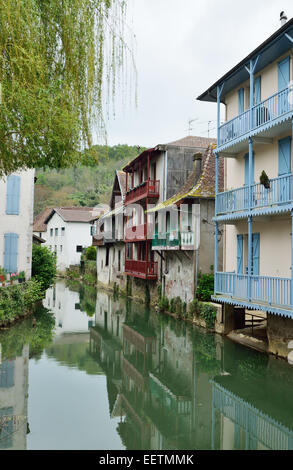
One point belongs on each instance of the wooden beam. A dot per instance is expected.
(262, 140)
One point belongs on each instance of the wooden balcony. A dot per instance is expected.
(279, 192)
(265, 291)
(148, 189)
(141, 269)
(138, 233)
(269, 112)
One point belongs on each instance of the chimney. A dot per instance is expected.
(283, 18)
(197, 163)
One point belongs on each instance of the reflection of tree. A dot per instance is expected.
(88, 298)
(37, 331)
(74, 355)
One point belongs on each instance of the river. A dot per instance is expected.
(90, 371)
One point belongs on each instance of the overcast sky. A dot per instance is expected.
(183, 47)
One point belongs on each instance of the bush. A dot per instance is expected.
(44, 267)
(91, 253)
(205, 287)
(194, 308)
(209, 313)
(164, 304)
(16, 301)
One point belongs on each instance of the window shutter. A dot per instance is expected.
(13, 195)
(10, 252)
(246, 163)
(257, 90)
(239, 254)
(255, 254)
(284, 73)
(241, 100)
(284, 156)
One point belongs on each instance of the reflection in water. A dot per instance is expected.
(108, 374)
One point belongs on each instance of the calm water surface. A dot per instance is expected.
(94, 372)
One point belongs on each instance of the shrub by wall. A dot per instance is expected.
(18, 300)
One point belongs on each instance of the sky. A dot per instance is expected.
(181, 48)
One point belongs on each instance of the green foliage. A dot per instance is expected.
(37, 337)
(264, 180)
(59, 64)
(72, 274)
(17, 300)
(44, 266)
(208, 313)
(194, 308)
(163, 304)
(82, 185)
(90, 279)
(205, 287)
(91, 253)
(176, 306)
(159, 290)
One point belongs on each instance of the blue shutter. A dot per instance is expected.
(255, 254)
(284, 156)
(241, 100)
(257, 90)
(283, 73)
(12, 195)
(246, 163)
(239, 254)
(10, 252)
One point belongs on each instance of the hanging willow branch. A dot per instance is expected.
(58, 60)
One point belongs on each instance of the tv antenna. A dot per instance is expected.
(190, 128)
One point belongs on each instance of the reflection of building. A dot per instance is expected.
(153, 382)
(66, 306)
(239, 424)
(13, 401)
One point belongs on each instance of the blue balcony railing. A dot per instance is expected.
(266, 111)
(271, 291)
(279, 192)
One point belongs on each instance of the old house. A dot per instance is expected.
(108, 237)
(68, 232)
(256, 206)
(184, 230)
(16, 227)
(151, 178)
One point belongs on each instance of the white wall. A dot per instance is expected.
(21, 224)
(76, 233)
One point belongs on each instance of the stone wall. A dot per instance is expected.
(280, 333)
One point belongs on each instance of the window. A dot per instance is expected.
(10, 252)
(79, 249)
(56, 249)
(77, 306)
(56, 232)
(12, 195)
(51, 232)
(128, 251)
(107, 256)
(62, 231)
(241, 101)
(61, 248)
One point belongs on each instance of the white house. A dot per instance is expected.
(68, 232)
(16, 222)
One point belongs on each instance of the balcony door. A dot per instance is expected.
(283, 82)
(242, 254)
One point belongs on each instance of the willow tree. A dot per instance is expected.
(58, 59)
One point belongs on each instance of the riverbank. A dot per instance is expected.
(17, 301)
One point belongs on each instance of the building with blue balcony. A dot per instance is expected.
(256, 206)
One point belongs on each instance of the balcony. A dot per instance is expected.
(237, 200)
(270, 111)
(270, 292)
(147, 189)
(173, 240)
(141, 269)
(138, 233)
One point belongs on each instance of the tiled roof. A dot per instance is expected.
(193, 141)
(39, 222)
(73, 214)
(202, 187)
